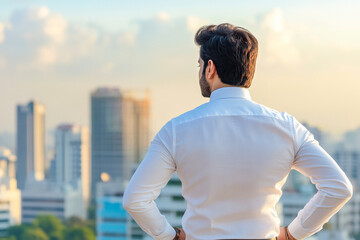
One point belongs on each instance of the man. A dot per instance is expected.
(233, 156)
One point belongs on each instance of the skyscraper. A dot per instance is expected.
(119, 133)
(72, 158)
(30, 142)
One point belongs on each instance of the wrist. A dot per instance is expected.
(178, 231)
(288, 235)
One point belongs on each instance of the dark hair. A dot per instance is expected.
(232, 49)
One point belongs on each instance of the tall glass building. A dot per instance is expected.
(119, 133)
(30, 144)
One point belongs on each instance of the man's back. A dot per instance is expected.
(232, 156)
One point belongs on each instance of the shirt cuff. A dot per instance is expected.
(298, 231)
(168, 234)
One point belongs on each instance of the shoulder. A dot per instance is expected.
(195, 113)
(189, 115)
(299, 131)
(261, 109)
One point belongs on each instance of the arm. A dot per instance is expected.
(150, 177)
(334, 188)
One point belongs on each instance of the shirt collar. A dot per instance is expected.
(230, 92)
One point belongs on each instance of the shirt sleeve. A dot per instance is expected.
(144, 187)
(334, 188)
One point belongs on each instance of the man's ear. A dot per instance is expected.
(211, 72)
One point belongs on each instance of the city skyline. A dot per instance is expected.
(59, 54)
(86, 85)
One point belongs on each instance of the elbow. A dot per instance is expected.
(132, 202)
(125, 204)
(126, 201)
(350, 191)
(339, 189)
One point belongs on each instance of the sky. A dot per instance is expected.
(59, 51)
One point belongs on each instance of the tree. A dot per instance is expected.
(56, 236)
(50, 224)
(91, 217)
(8, 238)
(79, 233)
(17, 231)
(50, 227)
(34, 234)
(91, 224)
(74, 222)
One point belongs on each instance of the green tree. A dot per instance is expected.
(56, 236)
(91, 224)
(8, 238)
(34, 234)
(50, 224)
(75, 222)
(79, 233)
(49, 227)
(91, 218)
(17, 231)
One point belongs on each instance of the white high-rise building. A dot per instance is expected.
(30, 144)
(10, 196)
(72, 158)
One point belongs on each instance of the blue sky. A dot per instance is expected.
(58, 51)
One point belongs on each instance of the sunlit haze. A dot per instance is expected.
(59, 51)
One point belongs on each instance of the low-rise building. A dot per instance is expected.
(10, 195)
(43, 197)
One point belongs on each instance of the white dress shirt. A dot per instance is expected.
(233, 156)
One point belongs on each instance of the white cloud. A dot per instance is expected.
(163, 16)
(126, 38)
(2, 28)
(42, 12)
(55, 27)
(47, 55)
(40, 38)
(278, 43)
(33, 39)
(274, 21)
(194, 23)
